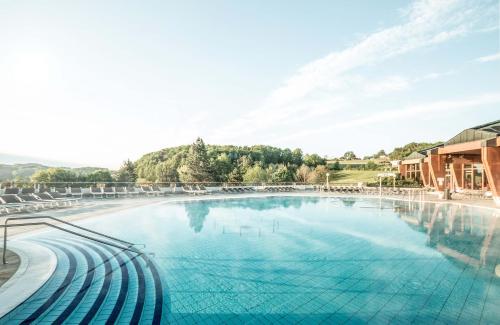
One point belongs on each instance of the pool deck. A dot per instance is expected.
(7, 270)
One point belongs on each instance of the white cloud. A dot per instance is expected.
(388, 85)
(425, 108)
(489, 58)
(405, 113)
(316, 86)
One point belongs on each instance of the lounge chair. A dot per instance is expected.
(31, 198)
(157, 190)
(96, 192)
(76, 192)
(108, 192)
(27, 190)
(61, 190)
(46, 197)
(12, 201)
(147, 190)
(201, 189)
(120, 191)
(58, 196)
(132, 191)
(12, 190)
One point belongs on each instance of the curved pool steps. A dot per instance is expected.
(95, 283)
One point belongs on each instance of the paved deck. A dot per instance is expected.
(7, 270)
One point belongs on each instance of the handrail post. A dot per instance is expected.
(4, 260)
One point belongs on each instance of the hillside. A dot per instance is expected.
(19, 171)
(25, 171)
(10, 159)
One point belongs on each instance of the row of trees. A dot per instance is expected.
(207, 163)
(62, 175)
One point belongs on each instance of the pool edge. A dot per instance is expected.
(37, 264)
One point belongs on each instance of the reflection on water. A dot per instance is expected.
(197, 211)
(348, 202)
(458, 232)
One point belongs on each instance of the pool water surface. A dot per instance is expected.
(309, 259)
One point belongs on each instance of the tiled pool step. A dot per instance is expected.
(94, 283)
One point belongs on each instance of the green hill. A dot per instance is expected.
(23, 172)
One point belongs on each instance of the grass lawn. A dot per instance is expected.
(353, 176)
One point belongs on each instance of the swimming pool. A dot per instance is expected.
(281, 259)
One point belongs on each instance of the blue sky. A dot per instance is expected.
(94, 82)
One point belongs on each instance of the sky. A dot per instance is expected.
(98, 82)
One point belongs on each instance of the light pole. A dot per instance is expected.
(328, 181)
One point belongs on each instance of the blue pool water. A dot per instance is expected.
(280, 260)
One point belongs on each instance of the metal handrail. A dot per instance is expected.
(125, 245)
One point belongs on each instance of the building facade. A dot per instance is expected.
(468, 162)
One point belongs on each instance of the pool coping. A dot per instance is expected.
(37, 264)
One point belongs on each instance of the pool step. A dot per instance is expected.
(95, 283)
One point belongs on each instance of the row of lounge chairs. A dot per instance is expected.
(279, 189)
(34, 202)
(363, 190)
(236, 189)
(95, 192)
(343, 189)
(194, 189)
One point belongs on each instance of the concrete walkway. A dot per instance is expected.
(7, 270)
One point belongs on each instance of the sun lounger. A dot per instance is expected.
(61, 190)
(96, 192)
(132, 191)
(12, 190)
(147, 190)
(201, 189)
(58, 196)
(76, 192)
(27, 190)
(120, 191)
(12, 201)
(157, 190)
(108, 192)
(49, 198)
(31, 198)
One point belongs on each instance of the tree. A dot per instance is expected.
(222, 167)
(349, 155)
(297, 157)
(235, 176)
(336, 165)
(245, 163)
(303, 174)
(126, 173)
(255, 174)
(166, 172)
(380, 153)
(401, 152)
(313, 160)
(99, 176)
(318, 175)
(54, 175)
(197, 166)
(279, 174)
(371, 165)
